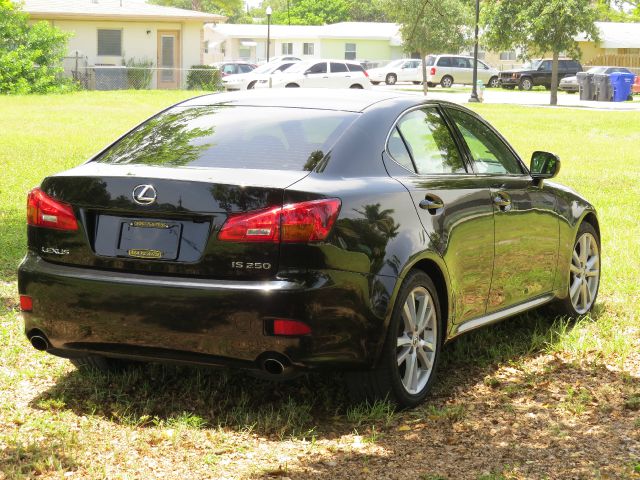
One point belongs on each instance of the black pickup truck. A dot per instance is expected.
(538, 72)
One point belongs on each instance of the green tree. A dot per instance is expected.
(30, 55)
(311, 12)
(539, 27)
(430, 26)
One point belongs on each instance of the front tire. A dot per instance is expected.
(494, 82)
(584, 273)
(292, 85)
(410, 355)
(526, 84)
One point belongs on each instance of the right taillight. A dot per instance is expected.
(44, 211)
(432, 71)
(302, 222)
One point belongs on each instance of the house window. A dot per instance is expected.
(110, 43)
(287, 49)
(349, 51)
(205, 47)
(508, 55)
(307, 48)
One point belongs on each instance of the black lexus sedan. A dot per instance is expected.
(285, 231)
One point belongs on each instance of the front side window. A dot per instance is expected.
(307, 48)
(490, 154)
(318, 68)
(287, 49)
(110, 43)
(349, 51)
(429, 143)
(444, 62)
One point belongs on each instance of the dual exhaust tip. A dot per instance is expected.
(39, 342)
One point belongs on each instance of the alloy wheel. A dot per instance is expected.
(585, 273)
(417, 340)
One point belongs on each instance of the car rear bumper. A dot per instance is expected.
(84, 311)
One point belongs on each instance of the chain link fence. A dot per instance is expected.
(132, 77)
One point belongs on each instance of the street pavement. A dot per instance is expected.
(514, 97)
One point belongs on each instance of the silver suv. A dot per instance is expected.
(449, 69)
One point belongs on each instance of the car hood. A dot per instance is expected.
(517, 70)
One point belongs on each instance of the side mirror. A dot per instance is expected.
(306, 73)
(544, 165)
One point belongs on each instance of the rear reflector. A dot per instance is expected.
(433, 71)
(290, 328)
(44, 211)
(298, 222)
(26, 303)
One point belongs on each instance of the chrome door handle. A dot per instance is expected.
(432, 204)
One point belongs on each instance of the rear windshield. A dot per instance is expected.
(232, 137)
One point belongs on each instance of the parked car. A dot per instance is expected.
(405, 70)
(247, 81)
(635, 88)
(320, 74)
(445, 70)
(570, 84)
(281, 58)
(538, 73)
(285, 232)
(233, 68)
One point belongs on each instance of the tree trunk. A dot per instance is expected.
(425, 87)
(554, 79)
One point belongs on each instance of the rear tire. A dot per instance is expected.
(411, 352)
(446, 81)
(292, 85)
(431, 84)
(357, 86)
(584, 274)
(416, 83)
(391, 79)
(251, 86)
(494, 82)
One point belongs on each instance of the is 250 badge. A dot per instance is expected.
(251, 265)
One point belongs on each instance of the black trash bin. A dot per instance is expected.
(602, 87)
(585, 85)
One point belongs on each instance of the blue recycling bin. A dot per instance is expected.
(621, 84)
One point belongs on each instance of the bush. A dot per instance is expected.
(204, 77)
(139, 73)
(30, 55)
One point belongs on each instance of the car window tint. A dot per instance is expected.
(545, 66)
(318, 68)
(462, 63)
(398, 150)
(490, 154)
(354, 68)
(284, 66)
(245, 68)
(229, 69)
(430, 60)
(444, 62)
(232, 137)
(430, 142)
(338, 67)
(482, 65)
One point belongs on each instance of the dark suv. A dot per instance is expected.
(538, 72)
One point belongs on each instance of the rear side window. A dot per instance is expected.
(232, 137)
(338, 67)
(245, 68)
(490, 154)
(460, 62)
(429, 143)
(444, 62)
(354, 67)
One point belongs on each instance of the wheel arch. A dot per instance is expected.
(591, 218)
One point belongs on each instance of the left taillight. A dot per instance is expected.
(44, 211)
(303, 222)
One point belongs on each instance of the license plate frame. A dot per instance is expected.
(148, 239)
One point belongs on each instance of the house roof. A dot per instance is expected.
(113, 10)
(347, 30)
(617, 35)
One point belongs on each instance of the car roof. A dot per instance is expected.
(321, 98)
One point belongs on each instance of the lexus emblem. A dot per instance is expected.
(144, 194)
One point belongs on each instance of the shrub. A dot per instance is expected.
(139, 73)
(204, 77)
(30, 55)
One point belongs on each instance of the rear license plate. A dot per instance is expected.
(149, 239)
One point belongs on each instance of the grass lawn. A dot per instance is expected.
(534, 397)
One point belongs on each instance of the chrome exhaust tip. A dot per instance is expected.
(273, 366)
(39, 343)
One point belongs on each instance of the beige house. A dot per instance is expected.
(619, 44)
(347, 40)
(107, 33)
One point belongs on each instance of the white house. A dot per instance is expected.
(110, 32)
(348, 40)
